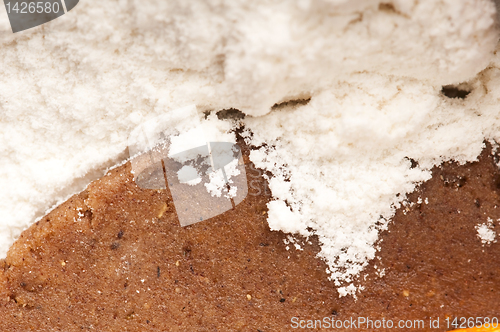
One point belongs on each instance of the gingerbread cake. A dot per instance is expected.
(214, 165)
(114, 258)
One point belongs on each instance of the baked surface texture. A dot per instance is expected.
(114, 258)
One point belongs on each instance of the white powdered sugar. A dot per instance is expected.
(339, 161)
(221, 179)
(189, 175)
(486, 233)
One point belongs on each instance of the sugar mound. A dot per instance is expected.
(339, 171)
(189, 175)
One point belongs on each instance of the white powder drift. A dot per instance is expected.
(72, 90)
(486, 233)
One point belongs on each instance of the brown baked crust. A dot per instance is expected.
(113, 258)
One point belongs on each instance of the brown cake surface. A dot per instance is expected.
(114, 258)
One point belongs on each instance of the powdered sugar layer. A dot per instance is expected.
(339, 162)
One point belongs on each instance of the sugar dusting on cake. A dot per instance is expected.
(341, 97)
(486, 232)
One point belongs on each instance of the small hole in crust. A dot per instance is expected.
(452, 91)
